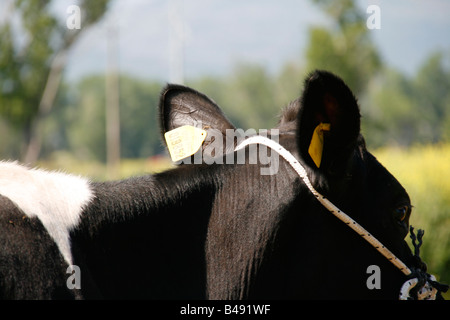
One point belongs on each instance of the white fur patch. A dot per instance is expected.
(56, 198)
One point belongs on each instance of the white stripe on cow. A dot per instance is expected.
(56, 198)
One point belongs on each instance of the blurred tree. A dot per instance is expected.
(247, 95)
(252, 91)
(32, 58)
(54, 126)
(140, 133)
(346, 48)
(288, 83)
(250, 96)
(432, 97)
(85, 119)
(390, 118)
(407, 110)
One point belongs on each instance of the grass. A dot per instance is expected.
(98, 171)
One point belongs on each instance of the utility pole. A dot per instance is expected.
(176, 42)
(112, 105)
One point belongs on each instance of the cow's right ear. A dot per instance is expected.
(328, 124)
(180, 106)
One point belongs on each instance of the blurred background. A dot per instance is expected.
(79, 90)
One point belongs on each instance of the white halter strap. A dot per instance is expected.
(295, 164)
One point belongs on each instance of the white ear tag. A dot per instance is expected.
(184, 141)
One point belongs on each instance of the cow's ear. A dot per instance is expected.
(328, 123)
(180, 106)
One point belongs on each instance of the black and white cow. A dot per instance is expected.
(212, 231)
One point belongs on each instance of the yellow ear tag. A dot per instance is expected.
(184, 141)
(316, 147)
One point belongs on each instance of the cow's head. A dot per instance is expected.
(314, 255)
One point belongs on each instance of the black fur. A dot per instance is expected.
(31, 266)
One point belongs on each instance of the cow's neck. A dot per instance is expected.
(130, 224)
(117, 202)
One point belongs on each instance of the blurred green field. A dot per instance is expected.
(424, 171)
(97, 171)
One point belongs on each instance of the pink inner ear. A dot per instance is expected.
(331, 108)
(330, 112)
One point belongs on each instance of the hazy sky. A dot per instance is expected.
(219, 33)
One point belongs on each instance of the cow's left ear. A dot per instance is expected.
(180, 106)
(328, 123)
